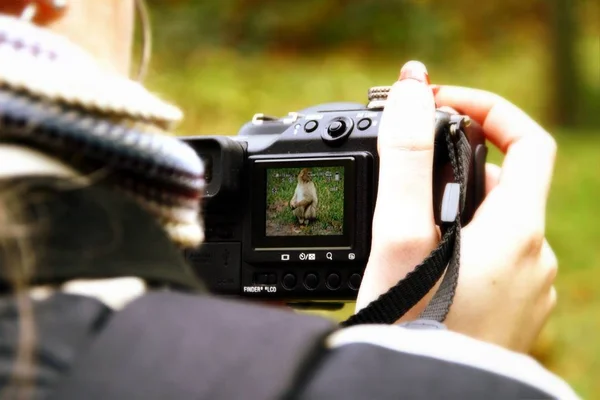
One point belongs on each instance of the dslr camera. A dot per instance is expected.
(289, 201)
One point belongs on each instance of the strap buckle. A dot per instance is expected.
(450, 203)
(458, 123)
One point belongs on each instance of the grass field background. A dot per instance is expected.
(219, 91)
(281, 184)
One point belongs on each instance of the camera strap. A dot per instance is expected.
(393, 304)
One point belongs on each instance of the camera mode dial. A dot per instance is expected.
(337, 130)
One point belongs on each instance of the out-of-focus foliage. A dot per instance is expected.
(224, 60)
(463, 32)
(388, 25)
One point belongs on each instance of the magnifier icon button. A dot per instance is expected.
(329, 256)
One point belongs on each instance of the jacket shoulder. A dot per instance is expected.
(377, 361)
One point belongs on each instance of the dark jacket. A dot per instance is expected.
(185, 343)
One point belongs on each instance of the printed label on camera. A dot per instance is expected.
(260, 289)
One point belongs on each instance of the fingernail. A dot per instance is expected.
(414, 70)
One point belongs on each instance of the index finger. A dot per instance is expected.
(530, 150)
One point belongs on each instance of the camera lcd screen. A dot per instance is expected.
(305, 201)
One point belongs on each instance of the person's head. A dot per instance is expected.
(104, 28)
(69, 61)
(76, 54)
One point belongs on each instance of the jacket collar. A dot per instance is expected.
(92, 232)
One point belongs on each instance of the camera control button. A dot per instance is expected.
(354, 281)
(336, 128)
(272, 279)
(364, 124)
(334, 281)
(289, 281)
(311, 126)
(311, 281)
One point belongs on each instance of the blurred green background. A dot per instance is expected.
(224, 60)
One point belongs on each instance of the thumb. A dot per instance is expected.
(404, 230)
(404, 210)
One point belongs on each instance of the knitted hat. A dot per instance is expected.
(55, 98)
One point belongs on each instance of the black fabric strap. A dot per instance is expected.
(393, 304)
(439, 306)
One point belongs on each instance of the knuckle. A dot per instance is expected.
(551, 266)
(545, 143)
(550, 145)
(552, 299)
(551, 272)
(406, 131)
(405, 86)
(408, 100)
(533, 241)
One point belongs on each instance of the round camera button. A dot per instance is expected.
(334, 281)
(336, 128)
(311, 126)
(364, 124)
(289, 281)
(354, 281)
(311, 281)
(337, 131)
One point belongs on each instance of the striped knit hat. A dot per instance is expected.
(55, 98)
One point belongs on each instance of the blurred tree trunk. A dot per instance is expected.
(305, 34)
(237, 20)
(565, 78)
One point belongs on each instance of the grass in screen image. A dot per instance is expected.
(280, 218)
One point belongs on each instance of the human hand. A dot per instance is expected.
(505, 288)
(505, 291)
(404, 230)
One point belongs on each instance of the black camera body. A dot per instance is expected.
(268, 237)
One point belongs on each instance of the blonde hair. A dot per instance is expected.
(17, 257)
